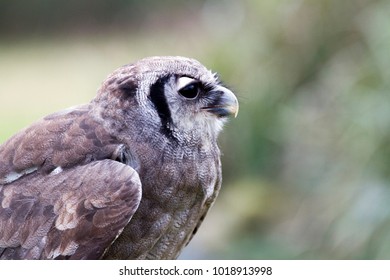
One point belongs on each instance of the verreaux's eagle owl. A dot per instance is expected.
(130, 175)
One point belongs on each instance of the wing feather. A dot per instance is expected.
(62, 139)
(75, 214)
(62, 192)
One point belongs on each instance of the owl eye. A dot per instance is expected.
(188, 88)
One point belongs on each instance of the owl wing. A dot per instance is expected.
(74, 214)
(64, 194)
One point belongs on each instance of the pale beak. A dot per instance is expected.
(225, 105)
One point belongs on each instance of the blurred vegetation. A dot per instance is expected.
(306, 163)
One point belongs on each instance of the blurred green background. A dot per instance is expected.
(307, 161)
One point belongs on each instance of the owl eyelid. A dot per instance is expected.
(184, 81)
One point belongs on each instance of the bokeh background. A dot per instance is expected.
(306, 163)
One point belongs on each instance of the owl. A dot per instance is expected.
(130, 175)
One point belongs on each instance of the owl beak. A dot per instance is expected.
(226, 105)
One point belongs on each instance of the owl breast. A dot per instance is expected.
(175, 198)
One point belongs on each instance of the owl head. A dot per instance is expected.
(176, 96)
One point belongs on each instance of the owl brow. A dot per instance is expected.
(158, 98)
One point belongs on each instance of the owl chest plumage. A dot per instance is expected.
(178, 187)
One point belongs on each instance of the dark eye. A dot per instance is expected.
(190, 91)
(188, 87)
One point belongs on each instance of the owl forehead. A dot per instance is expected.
(153, 68)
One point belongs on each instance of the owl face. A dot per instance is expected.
(178, 95)
(195, 104)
